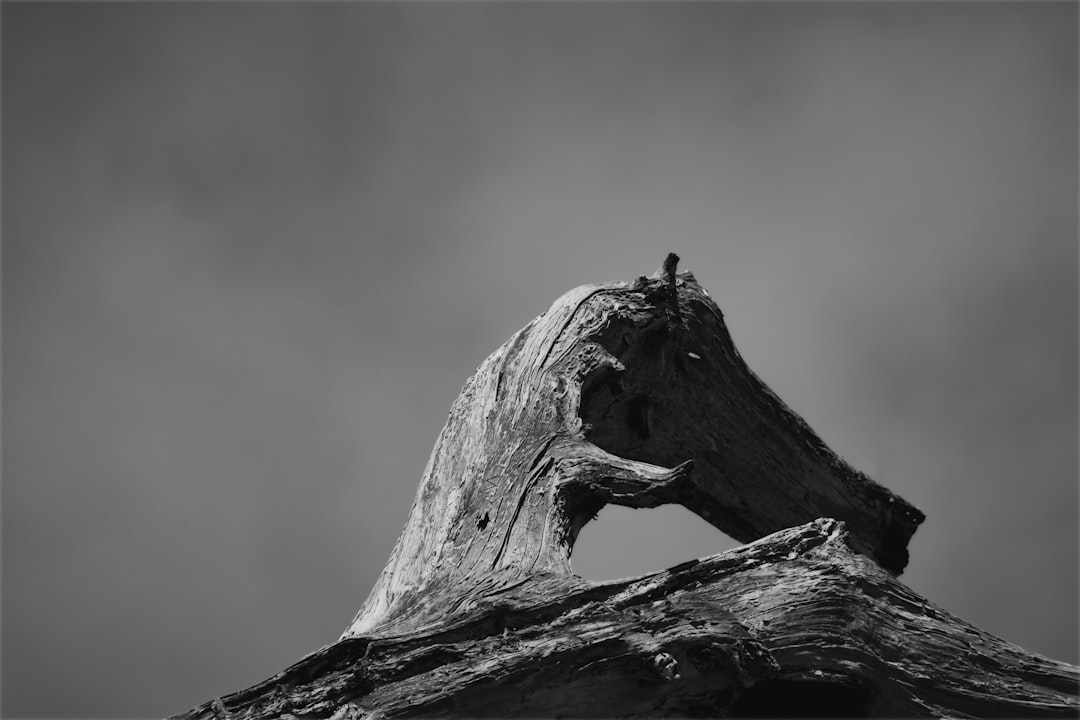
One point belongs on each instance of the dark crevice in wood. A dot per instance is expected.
(637, 417)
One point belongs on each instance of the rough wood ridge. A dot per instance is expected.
(633, 393)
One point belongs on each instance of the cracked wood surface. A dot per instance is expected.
(629, 393)
(633, 393)
(796, 624)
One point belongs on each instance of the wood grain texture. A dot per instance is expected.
(633, 393)
(796, 624)
(629, 393)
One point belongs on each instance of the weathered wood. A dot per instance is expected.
(795, 624)
(633, 393)
(592, 403)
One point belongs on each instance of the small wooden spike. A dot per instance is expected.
(666, 271)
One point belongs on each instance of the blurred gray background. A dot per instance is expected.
(251, 252)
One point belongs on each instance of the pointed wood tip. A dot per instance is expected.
(667, 269)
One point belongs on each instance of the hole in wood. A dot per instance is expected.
(482, 523)
(623, 542)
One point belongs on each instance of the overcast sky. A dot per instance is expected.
(251, 253)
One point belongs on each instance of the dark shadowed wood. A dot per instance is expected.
(633, 393)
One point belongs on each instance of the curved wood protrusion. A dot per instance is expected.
(629, 393)
(633, 393)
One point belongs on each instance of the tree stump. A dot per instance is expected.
(633, 393)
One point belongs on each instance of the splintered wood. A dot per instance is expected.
(633, 393)
(629, 393)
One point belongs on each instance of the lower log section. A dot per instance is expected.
(796, 624)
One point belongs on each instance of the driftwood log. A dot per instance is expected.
(634, 394)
